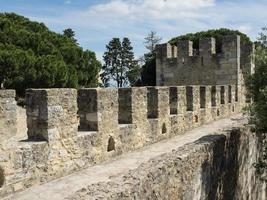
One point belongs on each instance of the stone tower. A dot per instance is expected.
(182, 65)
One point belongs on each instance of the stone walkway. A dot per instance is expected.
(62, 188)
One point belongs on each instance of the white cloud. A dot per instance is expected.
(113, 8)
(97, 24)
(130, 17)
(151, 9)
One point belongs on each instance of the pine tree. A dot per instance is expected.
(132, 72)
(119, 61)
(69, 33)
(112, 59)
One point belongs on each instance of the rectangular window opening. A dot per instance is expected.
(236, 94)
(202, 97)
(189, 98)
(173, 100)
(229, 94)
(125, 106)
(213, 96)
(152, 103)
(222, 95)
(87, 110)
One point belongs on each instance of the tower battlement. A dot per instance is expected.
(207, 48)
(180, 64)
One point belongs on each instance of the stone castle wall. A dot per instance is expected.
(218, 166)
(69, 130)
(180, 64)
(8, 129)
(8, 112)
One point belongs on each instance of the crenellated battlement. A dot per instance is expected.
(207, 48)
(180, 64)
(69, 130)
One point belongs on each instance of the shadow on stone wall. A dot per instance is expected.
(220, 172)
(211, 168)
(2, 177)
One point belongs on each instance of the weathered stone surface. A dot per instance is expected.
(2, 177)
(69, 130)
(8, 115)
(182, 65)
(218, 166)
(112, 122)
(51, 109)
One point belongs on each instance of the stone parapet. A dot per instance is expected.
(51, 114)
(8, 115)
(69, 130)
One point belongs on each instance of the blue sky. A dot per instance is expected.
(96, 22)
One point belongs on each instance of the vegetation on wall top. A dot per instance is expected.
(215, 33)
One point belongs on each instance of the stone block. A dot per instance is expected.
(51, 114)
(8, 115)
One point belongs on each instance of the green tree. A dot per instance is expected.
(148, 72)
(112, 64)
(69, 33)
(257, 85)
(218, 34)
(88, 70)
(32, 56)
(119, 63)
(132, 73)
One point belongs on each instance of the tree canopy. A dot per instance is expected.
(257, 86)
(216, 33)
(148, 72)
(120, 65)
(32, 56)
